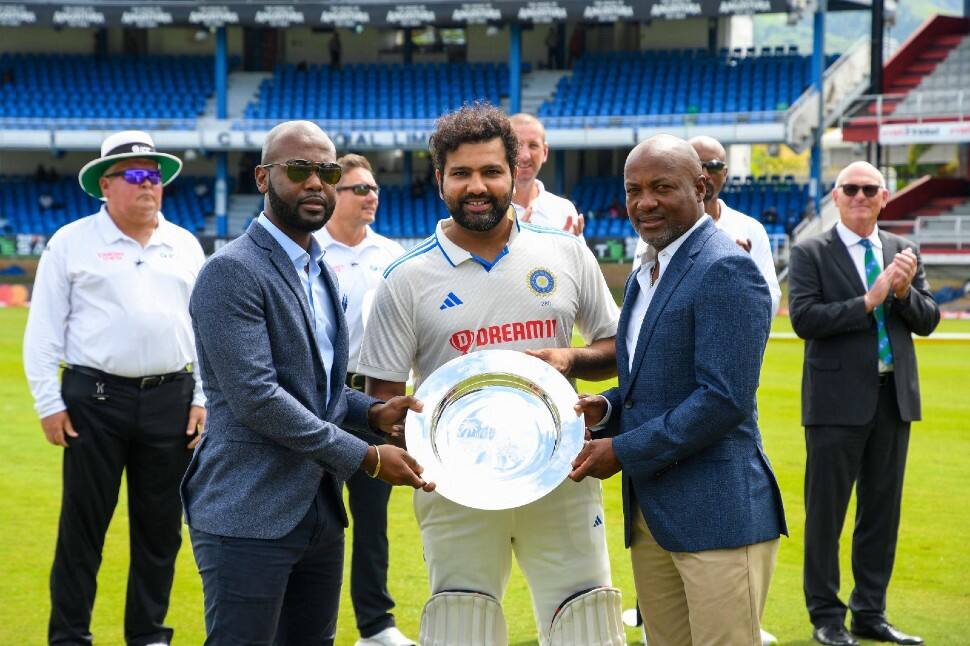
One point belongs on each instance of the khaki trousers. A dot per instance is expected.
(709, 598)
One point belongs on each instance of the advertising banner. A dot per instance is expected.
(365, 13)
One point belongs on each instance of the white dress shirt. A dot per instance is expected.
(103, 301)
(737, 225)
(550, 210)
(642, 302)
(359, 271)
(307, 266)
(857, 252)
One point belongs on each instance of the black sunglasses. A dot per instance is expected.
(298, 170)
(361, 189)
(714, 165)
(138, 175)
(869, 190)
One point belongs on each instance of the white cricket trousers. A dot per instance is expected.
(559, 541)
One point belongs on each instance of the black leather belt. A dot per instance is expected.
(885, 378)
(356, 381)
(142, 383)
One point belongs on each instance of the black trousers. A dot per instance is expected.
(369, 561)
(873, 458)
(368, 564)
(140, 432)
(278, 592)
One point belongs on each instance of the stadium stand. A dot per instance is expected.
(924, 79)
(597, 196)
(403, 215)
(32, 207)
(124, 89)
(392, 91)
(668, 84)
(934, 93)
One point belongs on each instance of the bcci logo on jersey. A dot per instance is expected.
(542, 282)
(463, 340)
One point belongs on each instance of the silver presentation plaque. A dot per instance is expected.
(498, 429)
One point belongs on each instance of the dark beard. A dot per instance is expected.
(483, 222)
(290, 216)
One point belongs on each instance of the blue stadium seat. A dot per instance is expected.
(677, 82)
(20, 203)
(419, 91)
(116, 87)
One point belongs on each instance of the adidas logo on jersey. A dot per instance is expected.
(450, 301)
(597, 521)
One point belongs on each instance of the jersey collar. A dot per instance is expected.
(370, 239)
(456, 255)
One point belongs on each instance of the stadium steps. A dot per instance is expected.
(845, 80)
(540, 86)
(241, 209)
(243, 88)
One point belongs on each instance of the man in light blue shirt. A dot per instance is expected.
(262, 494)
(308, 268)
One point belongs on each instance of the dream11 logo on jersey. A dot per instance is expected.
(463, 340)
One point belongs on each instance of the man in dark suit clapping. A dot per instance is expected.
(857, 295)
(702, 507)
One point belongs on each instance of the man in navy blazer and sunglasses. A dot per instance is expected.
(262, 493)
(858, 294)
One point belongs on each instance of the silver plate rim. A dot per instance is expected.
(558, 394)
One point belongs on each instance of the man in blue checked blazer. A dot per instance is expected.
(703, 510)
(262, 493)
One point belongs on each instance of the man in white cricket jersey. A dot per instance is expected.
(532, 202)
(487, 280)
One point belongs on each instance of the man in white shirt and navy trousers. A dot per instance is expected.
(110, 302)
(359, 256)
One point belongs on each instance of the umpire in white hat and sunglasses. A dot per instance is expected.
(110, 305)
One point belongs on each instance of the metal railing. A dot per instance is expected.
(342, 125)
(661, 120)
(100, 123)
(912, 107)
(843, 82)
(942, 230)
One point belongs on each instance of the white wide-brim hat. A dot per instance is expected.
(126, 145)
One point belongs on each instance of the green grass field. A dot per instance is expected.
(929, 594)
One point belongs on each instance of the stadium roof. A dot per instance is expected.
(353, 13)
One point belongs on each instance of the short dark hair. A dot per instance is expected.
(351, 161)
(476, 123)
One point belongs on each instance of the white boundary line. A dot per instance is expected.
(938, 336)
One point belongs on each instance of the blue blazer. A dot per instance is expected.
(684, 416)
(270, 442)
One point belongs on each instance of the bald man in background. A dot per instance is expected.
(532, 202)
(858, 294)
